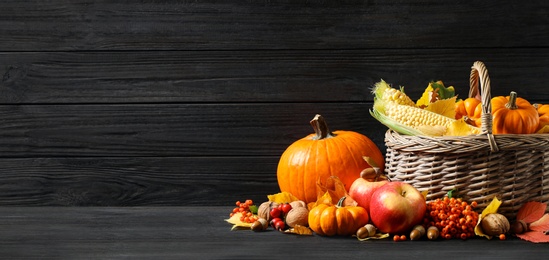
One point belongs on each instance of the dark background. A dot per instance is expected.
(192, 103)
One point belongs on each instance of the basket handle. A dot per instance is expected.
(479, 74)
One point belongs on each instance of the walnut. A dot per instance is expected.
(298, 203)
(297, 216)
(495, 224)
(264, 210)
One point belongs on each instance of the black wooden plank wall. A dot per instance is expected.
(191, 103)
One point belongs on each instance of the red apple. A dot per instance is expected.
(362, 189)
(396, 207)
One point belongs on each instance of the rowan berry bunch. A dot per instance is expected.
(454, 217)
(245, 208)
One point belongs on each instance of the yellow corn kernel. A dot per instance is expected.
(414, 116)
(383, 91)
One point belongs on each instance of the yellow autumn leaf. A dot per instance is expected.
(426, 97)
(282, 197)
(237, 223)
(370, 161)
(299, 230)
(458, 128)
(435, 91)
(376, 236)
(324, 199)
(445, 107)
(491, 208)
(425, 193)
(543, 130)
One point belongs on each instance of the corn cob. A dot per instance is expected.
(412, 120)
(383, 91)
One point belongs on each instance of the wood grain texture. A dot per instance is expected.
(215, 25)
(136, 181)
(257, 75)
(135, 103)
(255, 129)
(201, 233)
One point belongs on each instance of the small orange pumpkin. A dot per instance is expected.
(331, 220)
(543, 113)
(513, 115)
(317, 157)
(470, 109)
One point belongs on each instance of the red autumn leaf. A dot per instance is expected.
(541, 224)
(534, 236)
(538, 229)
(531, 211)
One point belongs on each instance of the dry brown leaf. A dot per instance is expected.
(335, 189)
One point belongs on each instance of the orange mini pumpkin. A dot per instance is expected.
(513, 115)
(331, 220)
(318, 156)
(470, 109)
(543, 113)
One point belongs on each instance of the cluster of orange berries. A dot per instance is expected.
(454, 217)
(398, 238)
(245, 209)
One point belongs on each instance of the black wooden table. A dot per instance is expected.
(202, 233)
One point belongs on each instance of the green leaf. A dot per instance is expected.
(253, 209)
(451, 193)
(442, 91)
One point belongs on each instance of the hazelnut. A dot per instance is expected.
(367, 230)
(260, 225)
(415, 235)
(421, 229)
(432, 233)
(495, 224)
(362, 233)
(265, 208)
(371, 230)
(297, 216)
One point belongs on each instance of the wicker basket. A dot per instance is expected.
(515, 168)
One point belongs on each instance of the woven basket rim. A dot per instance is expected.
(465, 144)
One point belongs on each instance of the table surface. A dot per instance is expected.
(202, 233)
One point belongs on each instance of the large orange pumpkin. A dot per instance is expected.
(318, 156)
(513, 115)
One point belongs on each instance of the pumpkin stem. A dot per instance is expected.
(321, 128)
(512, 104)
(340, 202)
